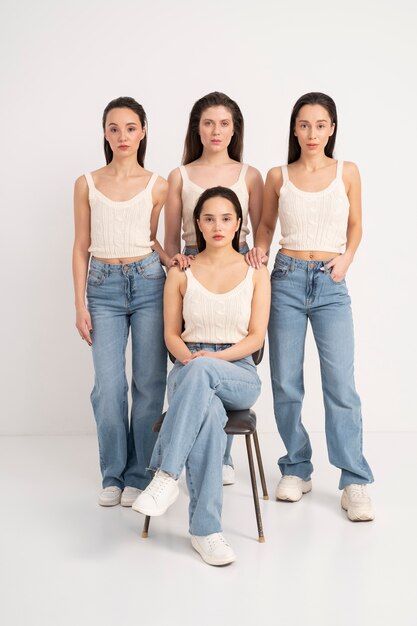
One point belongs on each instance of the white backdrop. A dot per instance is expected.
(61, 62)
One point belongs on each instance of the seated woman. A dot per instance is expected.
(225, 308)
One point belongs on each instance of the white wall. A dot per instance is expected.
(63, 61)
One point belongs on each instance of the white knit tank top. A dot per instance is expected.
(120, 229)
(314, 220)
(217, 317)
(191, 193)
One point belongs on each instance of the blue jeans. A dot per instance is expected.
(243, 249)
(301, 291)
(192, 433)
(122, 298)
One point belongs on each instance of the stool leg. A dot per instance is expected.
(254, 490)
(260, 466)
(146, 527)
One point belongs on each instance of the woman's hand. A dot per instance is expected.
(83, 324)
(256, 258)
(195, 355)
(182, 261)
(339, 266)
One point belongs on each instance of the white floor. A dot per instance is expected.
(66, 561)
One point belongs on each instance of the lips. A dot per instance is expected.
(218, 237)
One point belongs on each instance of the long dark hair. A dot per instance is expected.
(314, 97)
(193, 148)
(125, 102)
(217, 192)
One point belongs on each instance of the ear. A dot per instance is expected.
(333, 127)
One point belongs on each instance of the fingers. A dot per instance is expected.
(85, 328)
(182, 261)
(256, 257)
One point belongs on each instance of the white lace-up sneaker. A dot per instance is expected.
(292, 488)
(110, 496)
(228, 475)
(357, 503)
(129, 495)
(158, 496)
(213, 549)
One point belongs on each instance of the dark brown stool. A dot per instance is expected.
(241, 422)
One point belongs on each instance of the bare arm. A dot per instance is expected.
(159, 194)
(255, 186)
(266, 229)
(81, 256)
(341, 263)
(258, 323)
(173, 221)
(173, 296)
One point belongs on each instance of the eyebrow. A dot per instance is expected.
(317, 121)
(212, 214)
(128, 124)
(209, 119)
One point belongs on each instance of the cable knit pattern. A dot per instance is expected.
(314, 220)
(191, 193)
(217, 317)
(120, 229)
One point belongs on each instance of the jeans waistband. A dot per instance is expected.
(125, 267)
(195, 346)
(292, 262)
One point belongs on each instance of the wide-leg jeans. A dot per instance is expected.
(227, 460)
(192, 434)
(305, 291)
(123, 298)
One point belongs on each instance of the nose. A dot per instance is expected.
(312, 133)
(216, 129)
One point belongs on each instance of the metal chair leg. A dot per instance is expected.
(254, 490)
(260, 466)
(146, 527)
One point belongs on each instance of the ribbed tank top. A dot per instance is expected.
(314, 220)
(191, 193)
(217, 317)
(120, 229)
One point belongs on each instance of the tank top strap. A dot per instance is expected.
(184, 174)
(151, 183)
(284, 170)
(90, 182)
(243, 171)
(339, 170)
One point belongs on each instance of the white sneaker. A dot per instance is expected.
(357, 503)
(292, 488)
(213, 549)
(158, 496)
(228, 475)
(129, 495)
(110, 496)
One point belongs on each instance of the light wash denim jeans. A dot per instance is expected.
(192, 432)
(302, 291)
(243, 249)
(122, 298)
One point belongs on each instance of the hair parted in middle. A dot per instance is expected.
(314, 97)
(217, 192)
(193, 148)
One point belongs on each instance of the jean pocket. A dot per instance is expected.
(95, 277)
(280, 272)
(154, 271)
(329, 275)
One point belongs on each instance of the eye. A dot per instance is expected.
(132, 129)
(225, 123)
(113, 130)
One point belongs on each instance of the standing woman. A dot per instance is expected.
(212, 156)
(225, 308)
(116, 218)
(318, 201)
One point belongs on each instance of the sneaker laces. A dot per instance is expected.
(214, 540)
(158, 484)
(358, 491)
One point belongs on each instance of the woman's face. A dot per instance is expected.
(216, 128)
(218, 222)
(123, 131)
(313, 127)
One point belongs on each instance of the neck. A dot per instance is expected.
(218, 256)
(124, 167)
(217, 158)
(314, 162)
